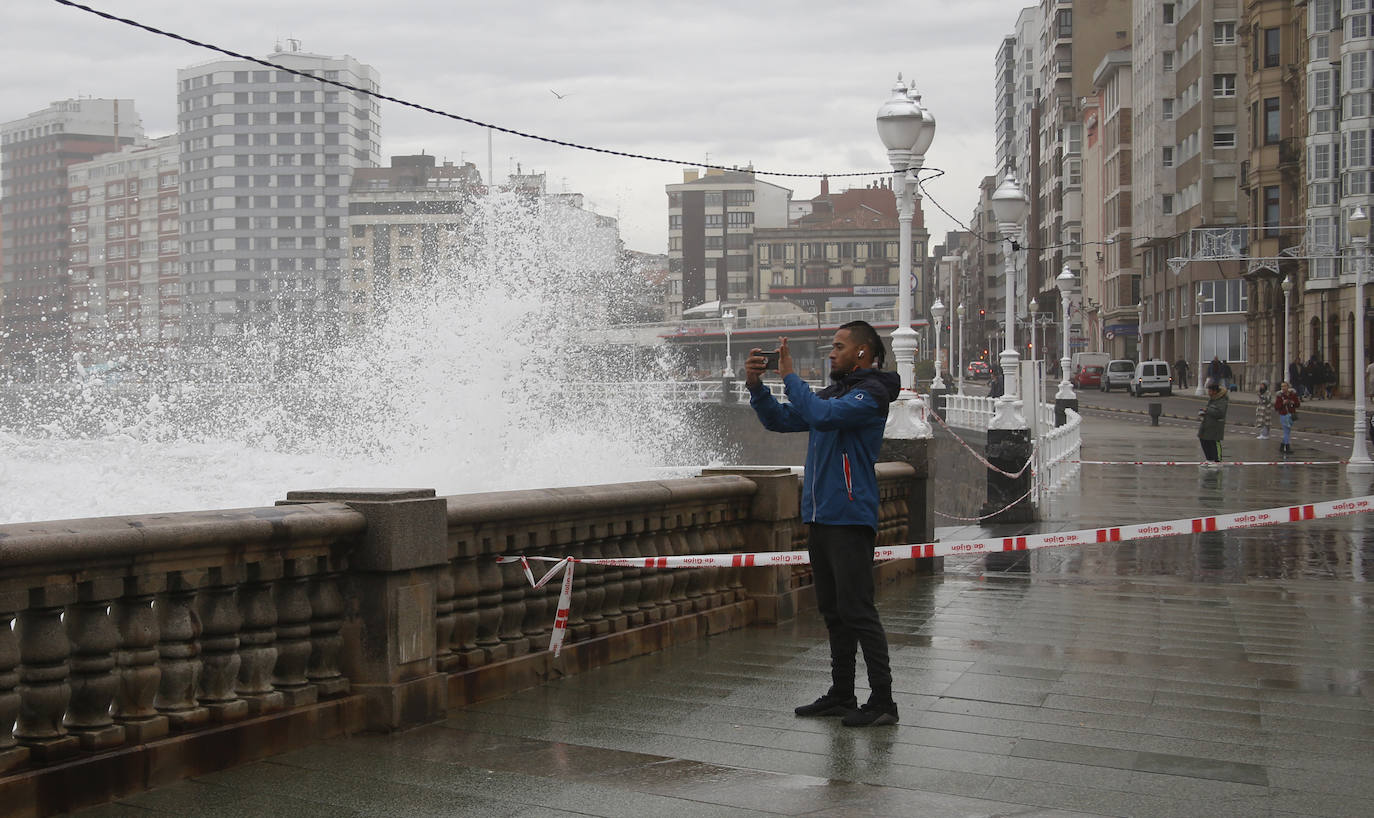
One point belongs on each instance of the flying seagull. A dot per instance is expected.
(555, 93)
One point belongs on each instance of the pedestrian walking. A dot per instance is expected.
(1328, 380)
(1369, 379)
(1311, 376)
(1295, 373)
(839, 502)
(1286, 403)
(1212, 423)
(1181, 367)
(1263, 410)
(1214, 369)
(1228, 378)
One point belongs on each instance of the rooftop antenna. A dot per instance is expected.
(295, 44)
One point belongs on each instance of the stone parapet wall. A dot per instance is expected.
(141, 649)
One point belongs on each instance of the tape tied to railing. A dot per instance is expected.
(1028, 542)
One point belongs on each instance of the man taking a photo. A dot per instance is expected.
(840, 503)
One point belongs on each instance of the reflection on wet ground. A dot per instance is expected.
(1223, 674)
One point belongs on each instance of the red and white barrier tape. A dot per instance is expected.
(982, 459)
(1086, 536)
(1198, 462)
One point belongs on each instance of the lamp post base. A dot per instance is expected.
(906, 418)
(1008, 498)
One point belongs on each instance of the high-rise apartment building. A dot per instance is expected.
(1074, 37)
(1110, 283)
(711, 222)
(1282, 92)
(1191, 233)
(267, 158)
(125, 253)
(35, 155)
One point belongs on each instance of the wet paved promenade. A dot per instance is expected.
(1222, 674)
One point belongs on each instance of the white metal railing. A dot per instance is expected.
(648, 333)
(969, 411)
(672, 391)
(1057, 452)
(1056, 447)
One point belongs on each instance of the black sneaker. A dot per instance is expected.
(872, 714)
(829, 705)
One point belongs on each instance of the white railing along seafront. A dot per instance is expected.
(1056, 447)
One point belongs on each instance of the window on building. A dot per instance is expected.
(1167, 204)
(1319, 164)
(1166, 108)
(1167, 156)
(1224, 137)
(1359, 26)
(1168, 59)
(1223, 85)
(1224, 32)
(1271, 210)
(1322, 17)
(1063, 22)
(1357, 149)
(1271, 120)
(1271, 48)
(1357, 70)
(1168, 14)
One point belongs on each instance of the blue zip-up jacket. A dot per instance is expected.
(846, 422)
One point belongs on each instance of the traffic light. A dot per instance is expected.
(982, 313)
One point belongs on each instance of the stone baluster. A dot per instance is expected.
(44, 675)
(326, 620)
(735, 543)
(220, 623)
(655, 581)
(139, 673)
(674, 543)
(541, 604)
(702, 540)
(578, 629)
(613, 584)
(489, 609)
(465, 590)
(257, 612)
(445, 618)
(594, 548)
(661, 546)
(12, 754)
(94, 638)
(632, 598)
(513, 586)
(293, 633)
(179, 652)
(698, 579)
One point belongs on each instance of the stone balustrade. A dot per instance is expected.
(149, 647)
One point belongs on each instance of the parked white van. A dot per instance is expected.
(1151, 376)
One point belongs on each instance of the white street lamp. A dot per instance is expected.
(1358, 225)
(727, 319)
(937, 311)
(1031, 313)
(1200, 390)
(906, 130)
(1287, 331)
(959, 377)
(1009, 208)
(1065, 283)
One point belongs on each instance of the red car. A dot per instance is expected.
(1086, 376)
(979, 371)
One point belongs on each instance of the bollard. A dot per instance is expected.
(1156, 409)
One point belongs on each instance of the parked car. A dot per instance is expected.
(1151, 376)
(979, 371)
(1119, 373)
(1089, 375)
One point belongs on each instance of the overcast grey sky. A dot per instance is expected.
(787, 85)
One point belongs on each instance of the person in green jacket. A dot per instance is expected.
(1212, 428)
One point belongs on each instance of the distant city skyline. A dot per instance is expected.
(649, 82)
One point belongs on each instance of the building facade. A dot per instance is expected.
(711, 223)
(125, 253)
(36, 153)
(267, 159)
(405, 222)
(843, 254)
